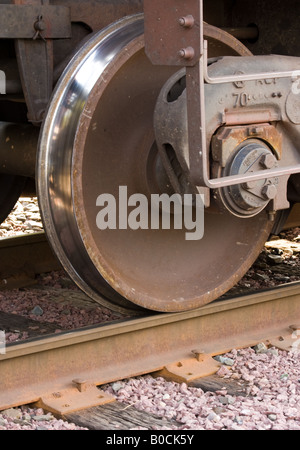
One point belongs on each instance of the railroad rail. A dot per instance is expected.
(62, 373)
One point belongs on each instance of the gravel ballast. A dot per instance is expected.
(272, 400)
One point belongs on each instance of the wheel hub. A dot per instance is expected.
(248, 199)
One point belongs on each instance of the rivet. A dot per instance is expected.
(187, 21)
(187, 53)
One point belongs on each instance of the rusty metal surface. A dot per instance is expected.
(173, 31)
(221, 146)
(73, 398)
(21, 21)
(228, 141)
(100, 13)
(35, 63)
(99, 355)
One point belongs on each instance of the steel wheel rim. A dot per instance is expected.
(53, 165)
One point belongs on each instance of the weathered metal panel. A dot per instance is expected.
(32, 21)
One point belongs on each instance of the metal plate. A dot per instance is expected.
(173, 31)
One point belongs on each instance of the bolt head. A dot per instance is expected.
(187, 21)
(249, 185)
(187, 53)
(269, 191)
(268, 161)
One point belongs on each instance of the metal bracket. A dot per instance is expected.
(202, 365)
(174, 36)
(173, 30)
(290, 341)
(35, 55)
(79, 395)
(197, 135)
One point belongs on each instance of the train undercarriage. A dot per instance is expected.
(106, 106)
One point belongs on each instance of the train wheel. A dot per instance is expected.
(97, 137)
